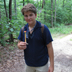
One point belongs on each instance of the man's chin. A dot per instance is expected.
(30, 23)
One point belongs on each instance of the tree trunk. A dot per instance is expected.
(6, 10)
(55, 13)
(23, 2)
(10, 17)
(10, 9)
(52, 13)
(43, 3)
(15, 8)
(44, 11)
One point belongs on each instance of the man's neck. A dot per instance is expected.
(32, 25)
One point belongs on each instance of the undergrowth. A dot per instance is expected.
(61, 30)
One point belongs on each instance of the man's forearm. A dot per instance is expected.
(51, 56)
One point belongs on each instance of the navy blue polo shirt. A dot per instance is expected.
(36, 53)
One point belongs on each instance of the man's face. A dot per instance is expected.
(30, 17)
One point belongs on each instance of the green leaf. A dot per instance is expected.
(7, 26)
(11, 30)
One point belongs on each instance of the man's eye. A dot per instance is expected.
(30, 14)
(26, 16)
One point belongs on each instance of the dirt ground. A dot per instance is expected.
(63, 54)
(14, 61)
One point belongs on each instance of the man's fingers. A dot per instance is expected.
(23, 43)
(50, 70)
(22, 47)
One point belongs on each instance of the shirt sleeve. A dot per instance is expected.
(47, 35)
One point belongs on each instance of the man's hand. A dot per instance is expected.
(51, 69)
(22, 45)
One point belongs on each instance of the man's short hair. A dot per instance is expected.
(29, 7)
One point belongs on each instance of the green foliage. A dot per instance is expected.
(62, 29)
(63, 15)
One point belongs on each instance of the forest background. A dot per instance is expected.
(56, 14)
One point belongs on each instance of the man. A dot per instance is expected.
(39, 48)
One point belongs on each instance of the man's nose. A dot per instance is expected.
(28, 17)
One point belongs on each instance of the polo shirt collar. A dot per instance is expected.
(38, 25)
